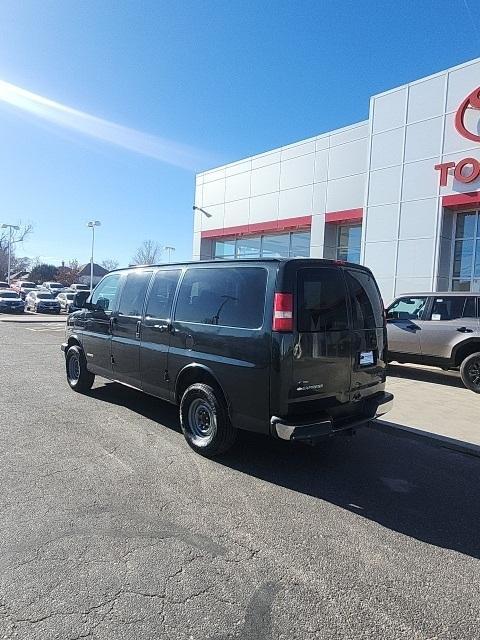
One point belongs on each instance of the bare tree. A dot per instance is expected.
(148, 252)
(110, 264)
(17, 236)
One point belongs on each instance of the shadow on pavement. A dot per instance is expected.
(408, 486)
(424, 375)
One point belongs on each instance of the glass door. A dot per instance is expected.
(466, 252)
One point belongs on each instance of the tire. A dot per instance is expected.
(78, 376)
(470, 372)
(205, 421)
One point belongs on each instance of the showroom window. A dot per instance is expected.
(466, 252)
(349, 238)
(275, 245)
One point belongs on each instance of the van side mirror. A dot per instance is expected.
(80, 300)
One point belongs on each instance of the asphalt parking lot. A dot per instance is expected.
(112, 528)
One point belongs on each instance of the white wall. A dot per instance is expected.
(406, 235)
(307, 178)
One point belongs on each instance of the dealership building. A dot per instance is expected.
(399, 192)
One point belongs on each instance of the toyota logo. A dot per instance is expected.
(472, 101)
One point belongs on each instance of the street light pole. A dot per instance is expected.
(92, 224)
(169, 249)
(205, 213)
(10, 227)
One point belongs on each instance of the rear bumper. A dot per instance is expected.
(313, 430)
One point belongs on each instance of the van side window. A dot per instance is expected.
(233, 297)
(106, 292)
(322, 300)
(133, 293)
(160, 300)
(367, 306)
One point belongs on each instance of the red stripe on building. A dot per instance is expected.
(347, 215)
(274, 226)
(461, 201)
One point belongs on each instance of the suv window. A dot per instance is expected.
(133, 293)
(367, 305)
(230, 297)
(160, 300)
(322, 300)
(407, 309)
(105, 293)
(453, 307)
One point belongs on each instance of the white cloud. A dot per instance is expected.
(168, 151)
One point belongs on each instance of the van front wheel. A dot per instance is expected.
(205, 421)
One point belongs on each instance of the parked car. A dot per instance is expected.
(65, 298)
(77, 286)
(42, 302)
(54, 287)
(437, 329)
(23, 288)
(10, 302)
(288, 347)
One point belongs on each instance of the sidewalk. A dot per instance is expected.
(433, 403)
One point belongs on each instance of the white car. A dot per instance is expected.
(54, 287)
(42, 302)
(65, 298)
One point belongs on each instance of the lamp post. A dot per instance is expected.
(205, 213)
(169, 249)
(11, 228)
(92, 224)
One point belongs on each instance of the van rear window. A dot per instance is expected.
(229, 297)
(367, 305)
(322, 300)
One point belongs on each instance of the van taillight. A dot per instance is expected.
(283, 312)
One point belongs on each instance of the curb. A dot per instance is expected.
(428, 437)
(36, 321)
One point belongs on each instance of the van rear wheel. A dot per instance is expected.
(78, 376)
(470, 372)
(205, 421)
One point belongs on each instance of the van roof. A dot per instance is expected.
(236, 261)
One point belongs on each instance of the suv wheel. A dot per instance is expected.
(78, 376)
(205, 421)
(470, 372)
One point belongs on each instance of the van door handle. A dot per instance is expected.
(163, 328)
(138, 329)
(464, 330)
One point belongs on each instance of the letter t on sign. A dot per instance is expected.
(443, 168)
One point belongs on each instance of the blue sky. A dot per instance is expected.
(226, 79)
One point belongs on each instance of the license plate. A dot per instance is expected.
(366, 358)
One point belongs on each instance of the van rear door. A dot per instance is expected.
(368, 333)
(322, 341)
